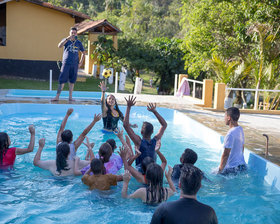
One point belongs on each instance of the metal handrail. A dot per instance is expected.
(254, 90)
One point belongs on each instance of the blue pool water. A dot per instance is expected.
(32, 195)
(50, 94)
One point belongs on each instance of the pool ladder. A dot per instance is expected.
(266, 150)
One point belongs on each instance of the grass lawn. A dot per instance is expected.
(91, 84)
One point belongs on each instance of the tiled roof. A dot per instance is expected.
(96, 27)
(79, 16)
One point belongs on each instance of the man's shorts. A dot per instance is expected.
(68, 72)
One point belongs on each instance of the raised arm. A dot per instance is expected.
(140, 193)
(89, 155)
(135, 138)
(46, 165)
(169, 180)
(152, 107)
(103, 103)
(77, 171)
(137, 175)
(63, 42)
(161, 156)
(30, 148)
(119, 134)
(81, 138)
(63, 124)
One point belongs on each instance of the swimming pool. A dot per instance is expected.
(31, 195)
(51, 94)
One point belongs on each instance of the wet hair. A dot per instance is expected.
(96, 166)
(234, 113)
(4, 145)
(105, 152)
(145, 163)
(155, 191)
(190, 179)
(62, 152)
(112, 144)
(147, 129)
(116, 107)
(189, 156)
(67, 136)
(73, 28)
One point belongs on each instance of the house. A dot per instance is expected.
(30, 31)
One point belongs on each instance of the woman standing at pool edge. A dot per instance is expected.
(7, 154)
(111, 113)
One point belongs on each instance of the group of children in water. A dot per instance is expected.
(100, 171)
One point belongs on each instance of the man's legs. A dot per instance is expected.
(71, 87)
(63, 77)
(72, 79)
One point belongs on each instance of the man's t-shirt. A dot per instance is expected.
(184, 211)
(100, 182)
(71, 52)
(234, 140)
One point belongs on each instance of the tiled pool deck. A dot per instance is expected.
(255, 125)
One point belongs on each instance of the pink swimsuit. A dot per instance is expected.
(8, 158)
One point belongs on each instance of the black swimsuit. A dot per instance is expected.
(110, 122)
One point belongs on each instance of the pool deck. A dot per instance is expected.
(254, 125)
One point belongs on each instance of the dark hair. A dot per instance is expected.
(4, 145)
(67, 136)
(62, 152)
(189, 156)
(105, 152)
(96, 166)
(154, 177)
(109, 111)
(112, 144)
(73, 28)
(147, 129)
(234, 113)
(145, 163)
(190, 179)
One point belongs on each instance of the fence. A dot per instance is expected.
(257, 105)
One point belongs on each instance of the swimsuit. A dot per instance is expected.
(9, 157)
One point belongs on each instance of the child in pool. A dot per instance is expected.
(115, 162)
(7, 154)
(189, 156)
(99, 179)
(139, 176)
(111, 113)
(62, 165)
(154, 192)
(67, 135)
(146, 144)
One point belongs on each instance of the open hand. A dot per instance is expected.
(169, 173)
(88, 144)
(97, 117)
(102, 86)
(122, 152)
(151, 107)
(42, 143)
(130, 101)
(31, 129)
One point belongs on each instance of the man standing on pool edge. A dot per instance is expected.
(232, 160)
(70, 62)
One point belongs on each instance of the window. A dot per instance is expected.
(3, 24)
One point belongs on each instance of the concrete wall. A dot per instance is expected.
(33, 32)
